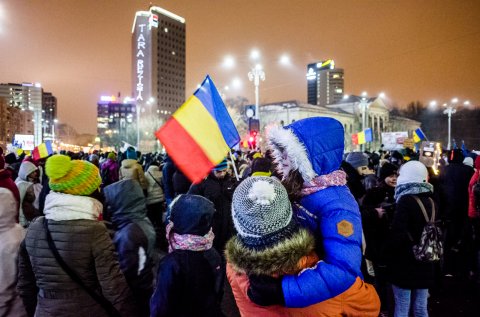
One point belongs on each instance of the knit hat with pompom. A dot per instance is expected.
(262, 213)
(72, 177)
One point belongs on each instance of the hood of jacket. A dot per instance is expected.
(282, 258)
(129, 163)
(62, 207)
(153, 168)
(25, 169)
(8, 209)
(314, 145)
(126, 202)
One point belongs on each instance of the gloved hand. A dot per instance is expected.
(265, 290)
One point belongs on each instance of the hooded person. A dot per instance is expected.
(28, 176)
(71, 224)
(11, 235)
(191, 276)
(309, 153)
(131, 169)
(134, 238)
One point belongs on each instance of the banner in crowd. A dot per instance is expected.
(24, 141)
(200, 133)
(362, 137)
(393, 140)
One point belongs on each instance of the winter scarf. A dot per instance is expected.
(412, 189)
(335, 178)
(188, 241)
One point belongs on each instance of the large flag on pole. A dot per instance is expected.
(200, 133)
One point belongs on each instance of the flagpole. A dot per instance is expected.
(234, 167)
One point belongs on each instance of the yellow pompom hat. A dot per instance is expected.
(72, 177)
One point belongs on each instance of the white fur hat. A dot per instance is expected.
(412, 172)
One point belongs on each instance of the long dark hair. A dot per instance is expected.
(294, 184)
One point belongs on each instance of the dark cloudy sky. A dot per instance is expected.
(411, 50)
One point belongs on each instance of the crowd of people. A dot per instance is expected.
(300, 229)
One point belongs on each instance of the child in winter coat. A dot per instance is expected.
(190, 278)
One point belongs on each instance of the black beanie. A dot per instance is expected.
(386, 170)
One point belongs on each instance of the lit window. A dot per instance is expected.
(165, 30)
(339, 90)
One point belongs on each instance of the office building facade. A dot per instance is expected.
(29, 98)
(158, 70)
(116, 122)
(325, 83)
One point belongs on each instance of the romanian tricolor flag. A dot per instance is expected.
(42, 150)
(418, 135)
(200, 133)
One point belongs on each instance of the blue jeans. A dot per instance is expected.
(403, 298)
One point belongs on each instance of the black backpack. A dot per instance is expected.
(430, 246)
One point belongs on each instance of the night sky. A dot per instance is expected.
(411, 50)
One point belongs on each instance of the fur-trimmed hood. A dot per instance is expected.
(314, 145)
(286, 257)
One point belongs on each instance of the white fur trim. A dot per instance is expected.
(60, 207)
(262, 193)
(285, 138)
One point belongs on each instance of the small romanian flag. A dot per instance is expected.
(418, 135)
(200, 133)
(42, 150)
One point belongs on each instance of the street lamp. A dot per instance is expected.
(450, 108)
(256, 74)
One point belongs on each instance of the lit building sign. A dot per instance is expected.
(154, 20)
(311, 74)
(108, 98)
(141, 56)
(328, 64)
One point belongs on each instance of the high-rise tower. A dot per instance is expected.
(158, 70)
(325, 83)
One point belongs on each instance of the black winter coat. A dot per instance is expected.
(189, 283)
(402, 268)
(376, 227)
(220, 192)
(454, 184)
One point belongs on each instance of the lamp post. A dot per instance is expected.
(256, 74)
(450, 109)
(363, 106)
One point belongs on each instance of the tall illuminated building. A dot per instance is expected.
(158, 70)
(325, 83)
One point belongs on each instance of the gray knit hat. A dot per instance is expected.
(262, 213)
(357, 159)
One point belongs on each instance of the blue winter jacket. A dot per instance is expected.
(333, 216)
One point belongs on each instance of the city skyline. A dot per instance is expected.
(82, 50)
